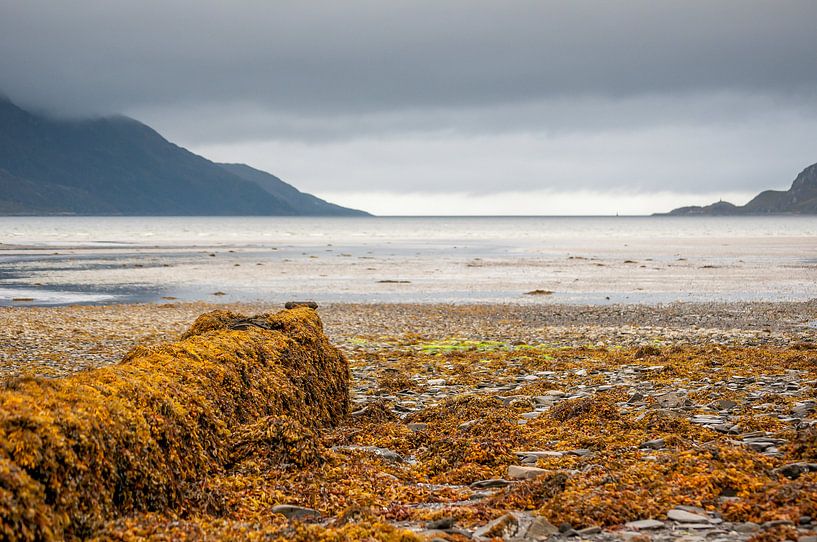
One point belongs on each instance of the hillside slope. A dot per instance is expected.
(114, 166)
(304, 204)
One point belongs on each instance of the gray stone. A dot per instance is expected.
(671, 400)
(645, 524)
(299, 513)
(490, 484)
(724, 404)
(540, 528)
(416, 427)
(595, 529)
(635, 398)
(296, 304)
(747, 527)
(777, 523)
(682, 516)
(441, 524)
(656, 444)
(630, 535)
(520, 472)
(581, 452)
(794, 470)
(504, 527)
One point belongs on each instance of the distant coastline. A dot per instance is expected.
(800, 199)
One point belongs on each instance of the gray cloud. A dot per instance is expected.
(460, 96)
(114, 55)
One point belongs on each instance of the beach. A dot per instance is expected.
(508, 378)
(517, 421)
(459, 260)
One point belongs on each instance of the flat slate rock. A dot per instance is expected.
(645, 524)
(296, 512)
(683, 516)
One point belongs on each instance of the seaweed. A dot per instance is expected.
(133, 436)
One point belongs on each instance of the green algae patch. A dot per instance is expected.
(456, 345)
(137, 436)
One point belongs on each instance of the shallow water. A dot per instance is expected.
(63, 260)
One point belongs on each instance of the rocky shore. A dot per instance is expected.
(483, 422)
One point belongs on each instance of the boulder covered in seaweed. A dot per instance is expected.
(133, 437)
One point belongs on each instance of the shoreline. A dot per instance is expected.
(59, 340)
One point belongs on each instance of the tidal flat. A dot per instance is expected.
(507, 422)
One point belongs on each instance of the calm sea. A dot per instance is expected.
(62, 260)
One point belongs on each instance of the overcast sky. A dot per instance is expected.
(447, 107)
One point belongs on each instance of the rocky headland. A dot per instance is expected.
(800, 199)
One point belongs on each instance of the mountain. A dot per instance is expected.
(119, 166)
(306, 204)
(800, 199)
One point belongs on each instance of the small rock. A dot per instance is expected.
(519, 472)
(417, 427)
(595, 529)
(441, 524)
(671, 400)
(794, 470)
(724, 404)
(645, 524)
(682, 516)
(490, 484)
(777, 523)
(504, 527)
(436, 382)
(296, 304)
(631, 536)
(635, 398)
(581, 452)
(299, 513)
(656, 444)
(747, 527)
(540, 528)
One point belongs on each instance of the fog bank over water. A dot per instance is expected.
(533, 203)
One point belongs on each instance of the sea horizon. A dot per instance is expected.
(406, 259)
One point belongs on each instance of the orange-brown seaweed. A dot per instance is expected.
(136, 436)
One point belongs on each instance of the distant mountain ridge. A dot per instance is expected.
(119, 166)
(801, 198)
